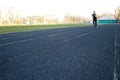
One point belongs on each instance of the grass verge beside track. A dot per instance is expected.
(23, 28)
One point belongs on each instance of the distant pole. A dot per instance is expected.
(115, 14)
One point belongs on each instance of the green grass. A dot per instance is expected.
(23, 28)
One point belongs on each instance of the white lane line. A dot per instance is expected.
(115, 55)
(14, 58)
(82, 35)
(67, 40)
(85, 34)
(78, 36)
(115, 76)
(26, 35)
(10, 43)
(23, 36)
(51, 35)
(5, 44)
(25, 40)
(12, 36)
(4, 38)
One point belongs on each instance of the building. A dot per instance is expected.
(107, 20)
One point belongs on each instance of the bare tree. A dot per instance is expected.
(13, 15)
(72, 19)
(117, 14)
(105, 14)
(40, 19)
(0, 13)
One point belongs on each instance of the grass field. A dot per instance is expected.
(23, 28)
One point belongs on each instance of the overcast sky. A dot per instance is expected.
(62, 7)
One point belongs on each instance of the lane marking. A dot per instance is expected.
(78, 36)
(4, 38)
(115, 76)
(5, 44)
(67, 40)
(26, 35)
(53, 35)
(32, 34)
(115, 55)
(85, 34)
(25, 40)
(16, 36)
(82, 35)
(14, 58)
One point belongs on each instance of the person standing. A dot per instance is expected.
(94, 16)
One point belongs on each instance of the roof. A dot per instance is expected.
(107, 18)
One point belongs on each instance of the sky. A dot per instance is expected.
(61, 7)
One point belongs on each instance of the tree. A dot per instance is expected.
(105, 14)
(72, 19)
(0, 13)
(40, 19)
(13, 15)
(117, 14)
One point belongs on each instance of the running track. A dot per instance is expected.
(79, 53)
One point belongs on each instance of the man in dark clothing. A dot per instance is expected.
(94, 16)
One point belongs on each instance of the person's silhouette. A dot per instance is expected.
(94, 16)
